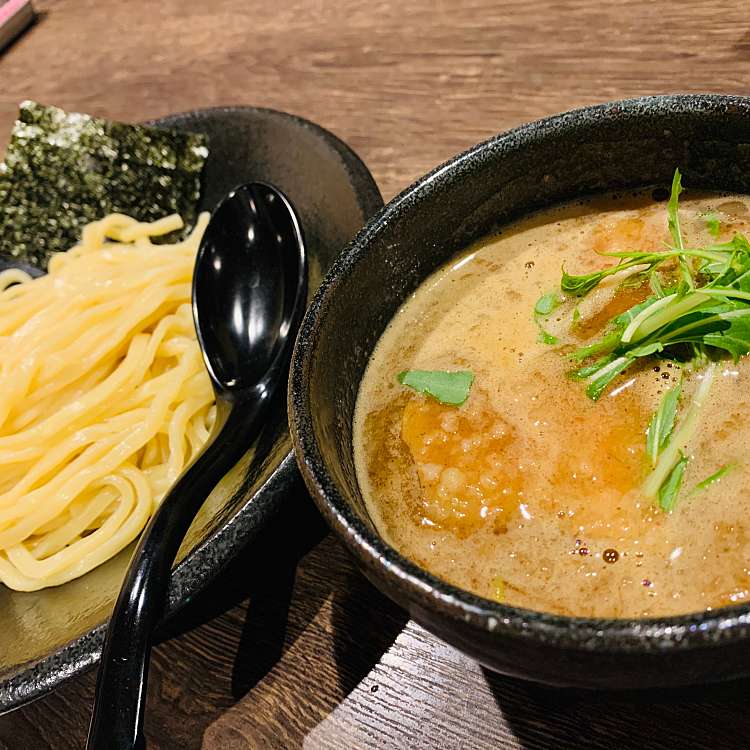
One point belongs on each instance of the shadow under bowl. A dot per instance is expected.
(616, 146)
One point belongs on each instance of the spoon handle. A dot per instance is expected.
(117, 720)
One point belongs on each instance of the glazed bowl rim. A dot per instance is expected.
(419, 587)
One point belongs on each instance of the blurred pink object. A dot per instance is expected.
(15, 16)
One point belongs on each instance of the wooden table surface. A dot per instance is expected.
(291, 647)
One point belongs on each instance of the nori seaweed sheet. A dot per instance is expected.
(63, 170)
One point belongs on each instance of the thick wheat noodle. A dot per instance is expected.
(104, 398)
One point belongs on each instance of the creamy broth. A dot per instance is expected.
(530, 493)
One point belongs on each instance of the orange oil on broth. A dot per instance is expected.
(529, 490)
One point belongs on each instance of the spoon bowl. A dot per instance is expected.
(249, 292)
(244, 330)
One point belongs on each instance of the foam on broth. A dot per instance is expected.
(530, 493)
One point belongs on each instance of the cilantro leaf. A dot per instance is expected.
(446, 387)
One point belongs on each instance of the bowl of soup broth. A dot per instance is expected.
(520, 396)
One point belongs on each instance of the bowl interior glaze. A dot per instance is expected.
(617, 146)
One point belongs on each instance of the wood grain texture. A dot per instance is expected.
(291, 648)
(407, 84)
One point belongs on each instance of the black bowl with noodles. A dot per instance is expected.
(51, 635)
(627, 144)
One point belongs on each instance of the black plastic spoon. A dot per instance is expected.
(249, 292)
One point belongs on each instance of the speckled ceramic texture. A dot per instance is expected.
(627, 144)
(52, 635)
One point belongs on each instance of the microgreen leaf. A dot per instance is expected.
(604, 376)
(645, 350)
(715, 477)
(674, 230)
(447, 387)
(578, 286)
(679, 319)
(547, 304)
(661, 424)
(669, 490)
(603, 346)
(626, 318)
(713, 224)
(655, 283)
(585, 372)
(544, 307)
(671, 454)
(712, 316)
(673, 218)
(734, 339)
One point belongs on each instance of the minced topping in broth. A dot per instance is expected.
(530, 492)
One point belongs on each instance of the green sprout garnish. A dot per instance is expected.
(715, 477)
(698, 310)
(671, 487)
(703, 319)
(661, 424)
(713, 224)
(543, 308)
(450, 388)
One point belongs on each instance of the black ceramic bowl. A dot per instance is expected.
(51, 635)
(628, 144)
